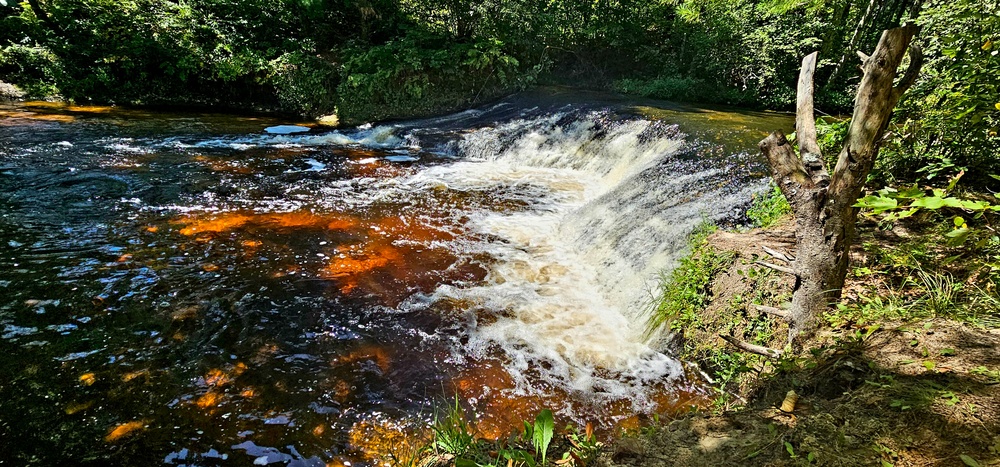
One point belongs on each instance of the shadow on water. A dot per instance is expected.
(188, 289)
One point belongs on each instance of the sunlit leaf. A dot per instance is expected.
(930, 202)
(958, 236)
(877, 204)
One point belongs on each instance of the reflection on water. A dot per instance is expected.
(187, 289)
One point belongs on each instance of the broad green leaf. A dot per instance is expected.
(910, 192)
(958, 236)
(543, 430)
(968, 461)
(930, 202)
(790, 449)
(974, 205)
(877, 204)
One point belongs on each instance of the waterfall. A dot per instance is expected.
(608, 204)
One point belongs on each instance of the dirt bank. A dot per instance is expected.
(885, 382)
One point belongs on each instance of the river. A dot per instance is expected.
(190, 289)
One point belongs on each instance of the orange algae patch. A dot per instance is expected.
(348, 266)
(382, 440)
(499, 415)
(216, 379)
(75, 408)
(93, 109)
(215, 224)
(376, 354)
(134, 374)
(14, 116)
(501, 411)
(124, 430)
(412, 229)
(88, 379)
(224, 222)
(209, 399)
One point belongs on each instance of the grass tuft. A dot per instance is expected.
(768, 208)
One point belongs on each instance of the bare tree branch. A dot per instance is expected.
(779, 255)
(778, 312)
(783, 269)
(754, 349)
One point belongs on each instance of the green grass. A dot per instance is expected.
(684, 291)
(538, 445)
(768, 208)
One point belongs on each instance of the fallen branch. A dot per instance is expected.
(773, 311)
(754, 349)
(783, 269)
(782, 256)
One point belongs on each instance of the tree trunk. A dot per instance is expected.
(822, 203)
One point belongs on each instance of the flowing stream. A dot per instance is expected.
(189, 289)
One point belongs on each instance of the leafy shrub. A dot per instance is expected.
(306, 84)
(684, 291)
(950, 120)
(423, 73)
(35, 69)
(768, 207)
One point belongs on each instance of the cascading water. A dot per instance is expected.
(215, 292)
(611, 204)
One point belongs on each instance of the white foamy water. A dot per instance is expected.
(603, 207)
(609, 208)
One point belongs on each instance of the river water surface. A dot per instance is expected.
(189, 289)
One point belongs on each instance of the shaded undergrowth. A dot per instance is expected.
(905, 370)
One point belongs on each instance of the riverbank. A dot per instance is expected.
(904, 371)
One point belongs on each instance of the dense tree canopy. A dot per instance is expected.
(377, 59)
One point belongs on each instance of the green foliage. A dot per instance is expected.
(768, 208)
(530, 448)
(892, 204)
(306, 84)
(951, 118)
(422, 74)
(452, 434)
(672, 88)
(34, 69)
(381, 59)
(541, 432)
(684, 292)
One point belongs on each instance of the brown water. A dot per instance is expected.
(188, 289)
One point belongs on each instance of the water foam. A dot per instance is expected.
(609, 206)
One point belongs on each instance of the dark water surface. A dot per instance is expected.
(188, 289)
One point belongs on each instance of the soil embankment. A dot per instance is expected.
(876, 387)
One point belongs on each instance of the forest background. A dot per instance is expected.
(381, 59)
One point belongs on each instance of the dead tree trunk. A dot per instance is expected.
(822, 203)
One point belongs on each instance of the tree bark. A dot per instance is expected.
(822, 203)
